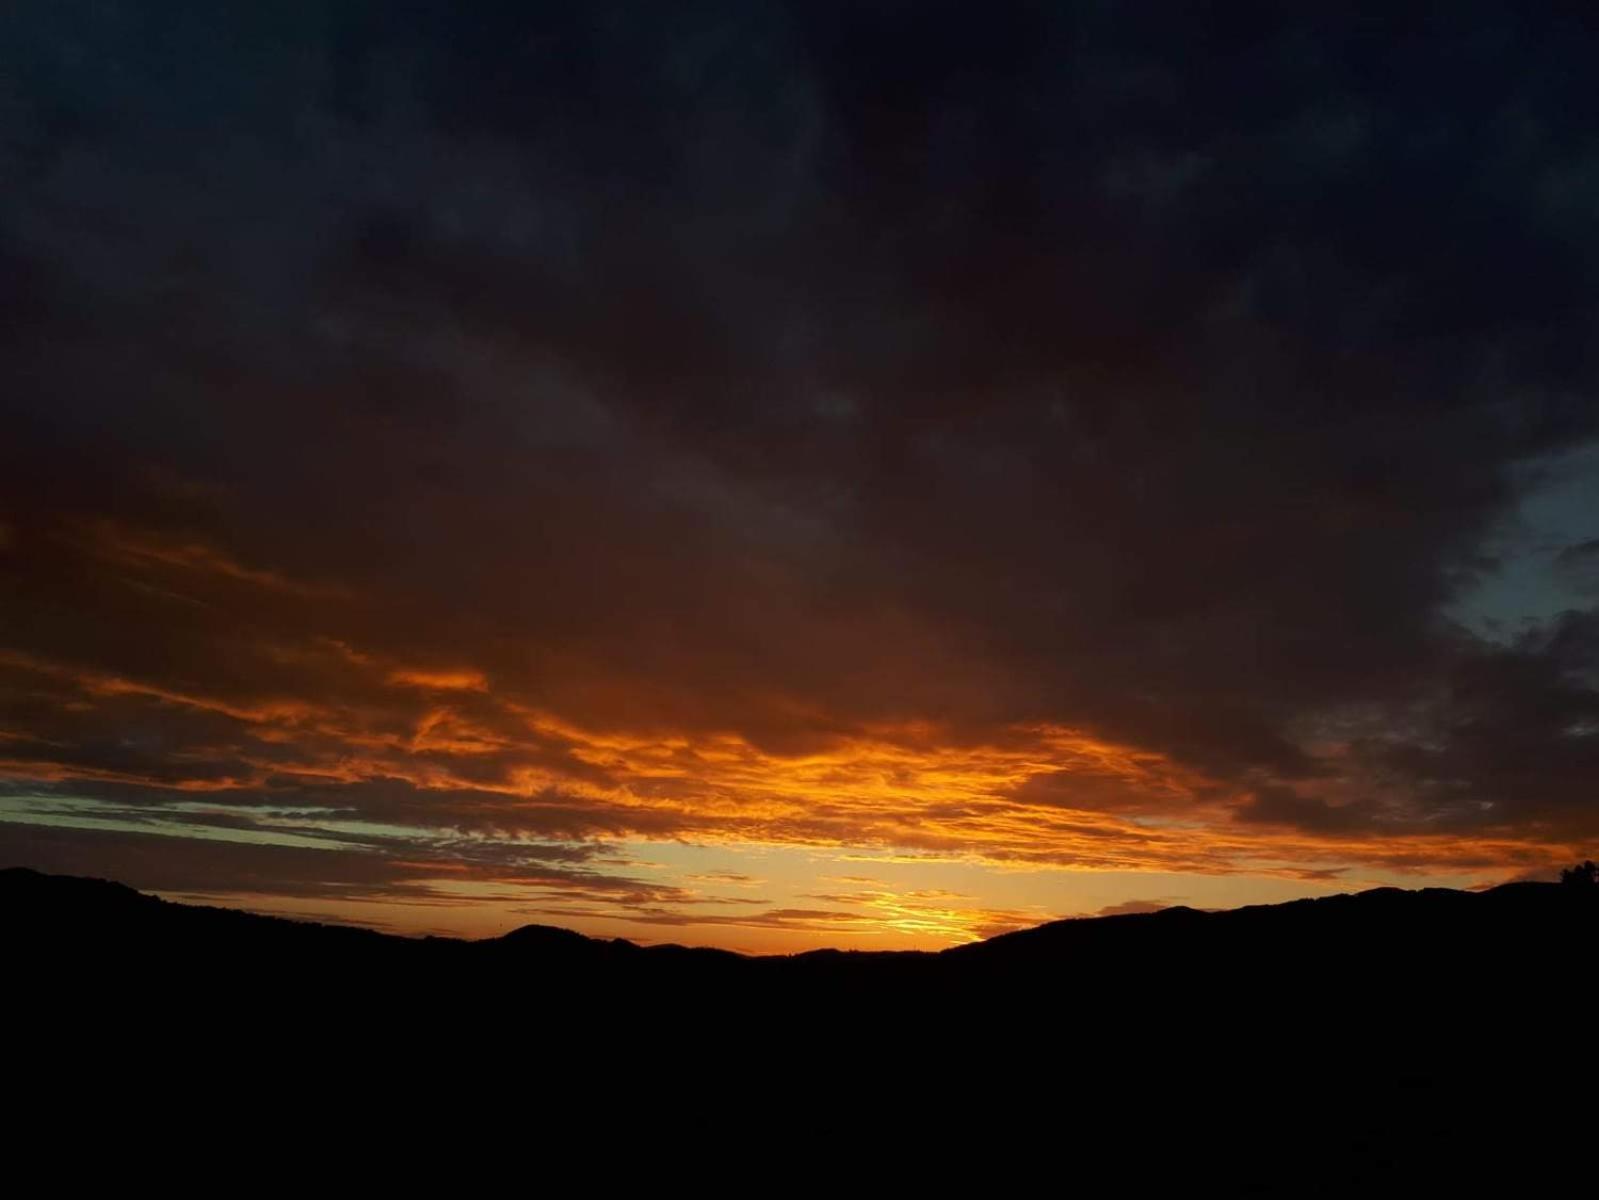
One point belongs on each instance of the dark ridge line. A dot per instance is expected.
(545, 937)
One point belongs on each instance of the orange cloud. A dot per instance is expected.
(151, 551)
(458, 680)
(98, 684)
(1033, 796)
(906, 788)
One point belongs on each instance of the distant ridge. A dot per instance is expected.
(43, 912)
(1433, 984)
(1360, 1030)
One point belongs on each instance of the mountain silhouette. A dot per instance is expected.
(1373, 1031)
(1517, 940)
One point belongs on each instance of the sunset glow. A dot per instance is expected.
(746, 476)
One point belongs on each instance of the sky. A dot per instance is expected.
(778, 475)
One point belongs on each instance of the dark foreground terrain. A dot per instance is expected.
(1429, 1028)
(1521, 941)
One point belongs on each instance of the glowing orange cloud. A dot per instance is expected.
(909, 789)
(474, 764)
(460, 680)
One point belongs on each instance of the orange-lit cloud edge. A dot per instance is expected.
(488, 808)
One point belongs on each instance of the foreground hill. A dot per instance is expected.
(1354, 1033)
(1521, 939)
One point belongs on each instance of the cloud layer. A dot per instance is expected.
(1062, 440)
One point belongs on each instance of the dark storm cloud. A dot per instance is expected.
(376, 376)
(1579, 565)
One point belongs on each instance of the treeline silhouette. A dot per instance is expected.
(1584, 874)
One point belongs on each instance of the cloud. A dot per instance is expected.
(1579, 565)
(1133, 907)
(1026, 445)
(463, 679)
(388, 871)
(167, 554)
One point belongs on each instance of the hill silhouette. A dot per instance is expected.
(1519, 940)
(1366, 1032)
